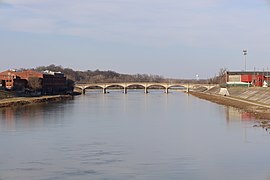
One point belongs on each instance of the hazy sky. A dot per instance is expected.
(173, 38)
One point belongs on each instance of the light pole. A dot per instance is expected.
(245, 57)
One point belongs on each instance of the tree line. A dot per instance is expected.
(98, 76)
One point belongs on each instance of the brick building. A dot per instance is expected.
(29, 73)
(2, 84)
(8, 79)
(51, 82)
(253, 78)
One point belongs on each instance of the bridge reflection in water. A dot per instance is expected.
(145, 86)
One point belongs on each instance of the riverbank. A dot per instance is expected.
(6, 94)
(20, 101)
(252, 100)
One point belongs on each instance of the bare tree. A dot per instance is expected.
(220, 78)
(34, 83)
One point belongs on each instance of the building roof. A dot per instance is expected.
(12, 74)
(29, 73)
(8, 74)
(248, 72)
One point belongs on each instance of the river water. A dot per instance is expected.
(118, 136)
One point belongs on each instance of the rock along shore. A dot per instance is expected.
(20, 101)
(247, 99)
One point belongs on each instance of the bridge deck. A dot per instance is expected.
(145, 85)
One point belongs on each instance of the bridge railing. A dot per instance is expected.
(146, 85)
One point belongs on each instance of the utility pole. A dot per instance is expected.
(267, 74)
(245, 57)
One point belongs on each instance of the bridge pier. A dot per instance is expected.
(145, 90)
(83, 91)
(82, 87)
(125, 90)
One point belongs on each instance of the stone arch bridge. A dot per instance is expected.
(146, 86)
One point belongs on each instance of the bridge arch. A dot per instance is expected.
(129, 86)
(144, 85)
(92, 86)
(135, 84)
(114, 85)
(156, 85)
(176, 85)
(163, 86)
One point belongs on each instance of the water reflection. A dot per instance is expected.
(235, 114)
(31, 116)
(11, 117)
(120, 136)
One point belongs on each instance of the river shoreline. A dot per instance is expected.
(21, 101)
(258, 110)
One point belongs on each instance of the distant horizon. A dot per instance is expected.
(28, 68)
(262, 70)
(176, 38)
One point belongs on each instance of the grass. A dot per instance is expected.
(5, 94)
(18, 101)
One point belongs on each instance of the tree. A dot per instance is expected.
(34, 83)
(97, 75)
(220, 78)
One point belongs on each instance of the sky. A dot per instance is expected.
(172, 38)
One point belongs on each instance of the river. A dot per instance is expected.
(118, 136)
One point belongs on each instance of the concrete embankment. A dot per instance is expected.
(19, 101)
(255, 100)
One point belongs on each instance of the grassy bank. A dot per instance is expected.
(19, 101)
(5, 94)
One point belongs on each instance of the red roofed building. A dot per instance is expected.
(8, 78)
(52, 82)
(246, 78)
(29, 73)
